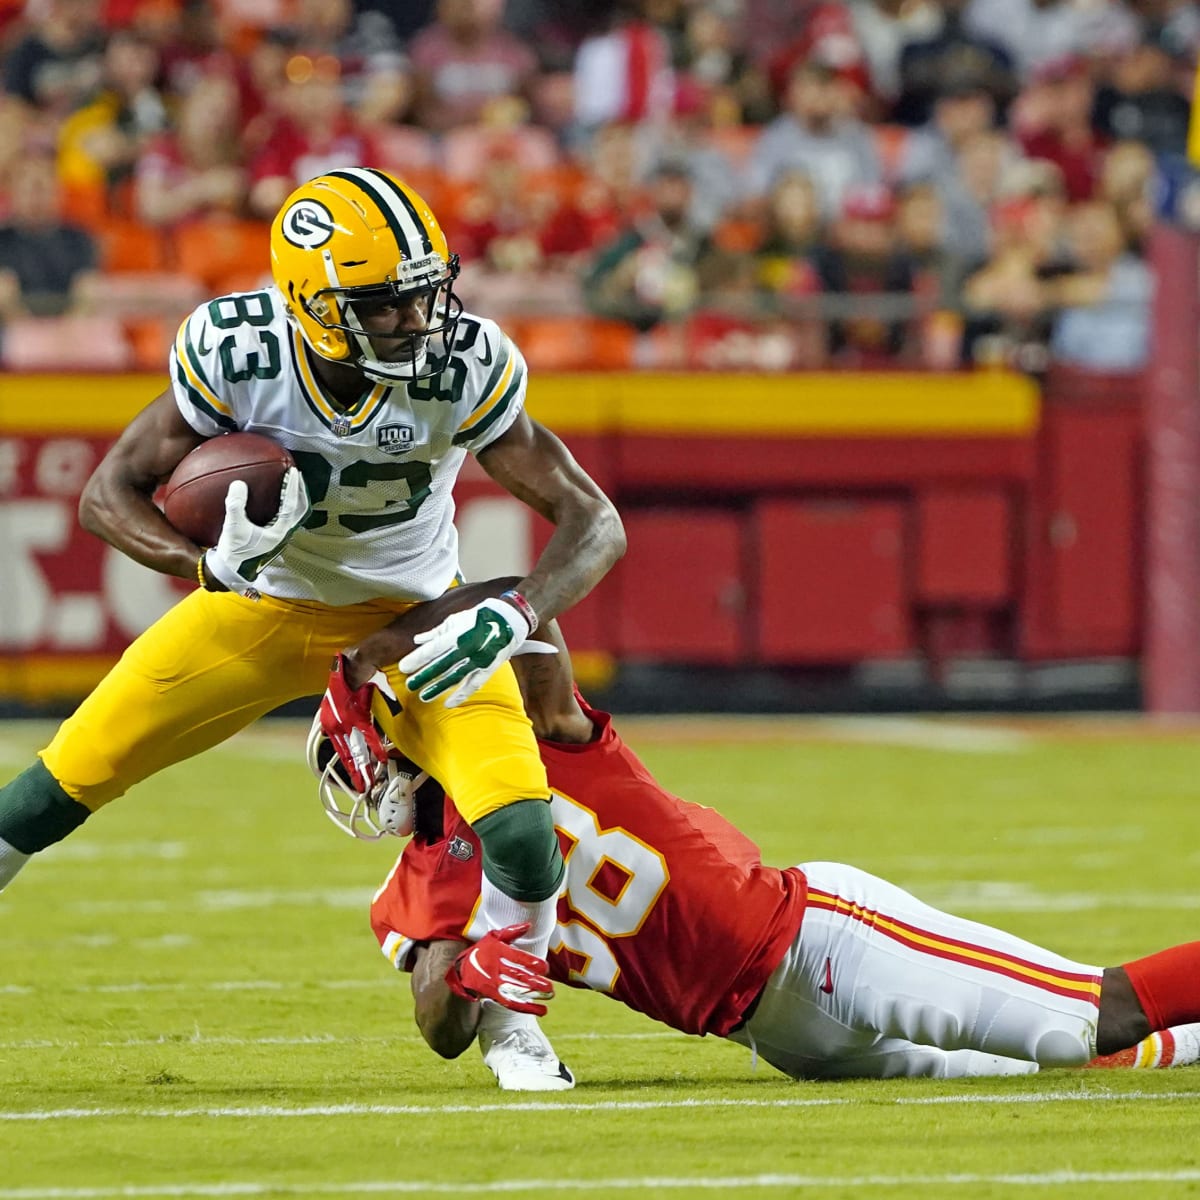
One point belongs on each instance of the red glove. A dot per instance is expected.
(492, 969)
(347, 722)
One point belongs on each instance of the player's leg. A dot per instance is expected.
(894, 1058)
(484, 754)
(205, 670)
(797, 1028)
(1147, 995)
(888, 1057)
(1178, 1046)
(876, 963)
(909, 971)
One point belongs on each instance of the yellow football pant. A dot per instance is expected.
(216, 662)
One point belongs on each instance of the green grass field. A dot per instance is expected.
(192, 1003)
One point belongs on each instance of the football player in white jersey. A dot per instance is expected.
(360, 361)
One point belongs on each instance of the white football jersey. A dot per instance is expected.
(380, 474)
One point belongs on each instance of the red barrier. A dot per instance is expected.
(772, 521)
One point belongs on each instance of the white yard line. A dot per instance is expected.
(994, 895)
(261, 1112)
(552, 1187)
(315, 1039)
(217, 985)
(955, 737)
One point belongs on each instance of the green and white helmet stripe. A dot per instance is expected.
(412, 238)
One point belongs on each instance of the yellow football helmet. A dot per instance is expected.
(358, 236)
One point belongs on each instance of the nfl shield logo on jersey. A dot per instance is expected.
(461, 849)
(395, 439)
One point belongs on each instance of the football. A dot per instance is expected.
(193, 499)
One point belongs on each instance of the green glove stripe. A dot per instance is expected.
(477, 648)
(443, 683)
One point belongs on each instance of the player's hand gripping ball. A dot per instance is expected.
(193, 499)
(241, 495)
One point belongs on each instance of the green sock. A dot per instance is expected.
(35, 812)
(520, 850)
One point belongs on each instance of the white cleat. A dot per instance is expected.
(518, 1053)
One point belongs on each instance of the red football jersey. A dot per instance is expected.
(666, 905)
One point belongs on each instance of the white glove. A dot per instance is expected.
(466, 649)
(243, 548)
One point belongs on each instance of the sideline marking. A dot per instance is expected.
(552, 1187)
(257, 1112)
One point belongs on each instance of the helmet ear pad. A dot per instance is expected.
(329, 342)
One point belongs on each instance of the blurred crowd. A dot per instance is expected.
(764, 184)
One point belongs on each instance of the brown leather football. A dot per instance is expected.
(193, 499)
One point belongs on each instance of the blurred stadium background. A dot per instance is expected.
(878, 319)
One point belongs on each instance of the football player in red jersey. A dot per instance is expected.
(823, 969)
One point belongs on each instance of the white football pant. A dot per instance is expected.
(878, 984)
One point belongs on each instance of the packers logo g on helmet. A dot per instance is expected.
(361, 237)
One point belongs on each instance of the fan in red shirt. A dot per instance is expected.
(315, 132)
(823, 969)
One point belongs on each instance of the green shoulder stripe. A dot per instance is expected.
(194, 357)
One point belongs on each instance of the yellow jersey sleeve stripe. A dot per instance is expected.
(308, 384)
(369, 405)
(197, 399)
(190, 365)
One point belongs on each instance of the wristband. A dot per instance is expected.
(522, 606)
(211, 581)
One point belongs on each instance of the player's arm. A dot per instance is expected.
(457, 657)
(117, 503)
(546, 682)
(447, 1022)
(534, 465)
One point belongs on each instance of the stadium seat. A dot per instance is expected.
(150, 340)
(575, 343)
(127, 245)
(82, 204)
(736, 235)
(243, 281)
(213, 251)
(132, 294)
(66, 344)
